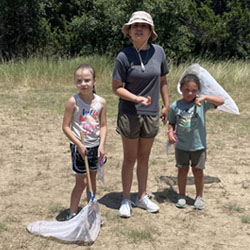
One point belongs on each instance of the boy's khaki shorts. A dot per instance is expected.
(194, 159)
(135, 126)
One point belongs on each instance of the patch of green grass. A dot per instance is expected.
(54, 208)
(44, 73)
(245, 219)
(111, 217)
(4, 223)
(234, 207)
(219, 144)
(154, 162)
(138, 235)
(3, 226)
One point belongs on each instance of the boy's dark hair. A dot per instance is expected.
(87, 66)
(190, 78)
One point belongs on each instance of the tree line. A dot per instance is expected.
(215, 29)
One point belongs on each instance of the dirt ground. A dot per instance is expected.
(36, 182)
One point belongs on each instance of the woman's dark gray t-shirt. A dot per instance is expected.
(128, 70)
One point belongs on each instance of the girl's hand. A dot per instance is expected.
(172, 138)
(144, 100)
(101, 152)
(199, 100)
(82, 150)
(215, 100)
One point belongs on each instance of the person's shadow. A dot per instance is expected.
(170, 195)
(113, 200)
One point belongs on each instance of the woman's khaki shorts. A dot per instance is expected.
(135, 126)
(194, 159)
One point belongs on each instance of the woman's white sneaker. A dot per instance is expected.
(147, 204)
(125, 209)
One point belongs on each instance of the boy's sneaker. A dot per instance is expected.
(147, 204)
(181, 203)
(125, 209)
(199, 203)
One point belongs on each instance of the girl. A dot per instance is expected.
(86, 112)
(188, 131)
(139, 77)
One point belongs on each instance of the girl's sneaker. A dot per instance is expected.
(199, 203)
(181, 203)
(70, 216)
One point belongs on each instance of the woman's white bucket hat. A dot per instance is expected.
(140, 17)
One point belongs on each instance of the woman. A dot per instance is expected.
(139, 77)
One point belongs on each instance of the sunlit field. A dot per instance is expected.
(36, 178)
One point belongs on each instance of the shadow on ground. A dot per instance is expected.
(171, 180)
(170, 195)
(113, 200)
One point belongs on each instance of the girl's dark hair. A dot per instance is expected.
(190, 78)
(87, 66)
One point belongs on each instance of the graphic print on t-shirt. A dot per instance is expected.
(89, 121)
(188, 119)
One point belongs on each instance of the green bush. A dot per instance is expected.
(186, 29)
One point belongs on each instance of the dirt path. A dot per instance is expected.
(36, 182)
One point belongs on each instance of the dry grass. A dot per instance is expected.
(35, 180)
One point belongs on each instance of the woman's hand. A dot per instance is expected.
(144, 100)
(123, 93)
(164, 115)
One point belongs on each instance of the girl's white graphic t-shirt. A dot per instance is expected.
(86, 118)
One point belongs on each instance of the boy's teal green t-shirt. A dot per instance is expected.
(190, 124)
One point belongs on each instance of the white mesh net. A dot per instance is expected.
(209, 86)
(84, 227)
